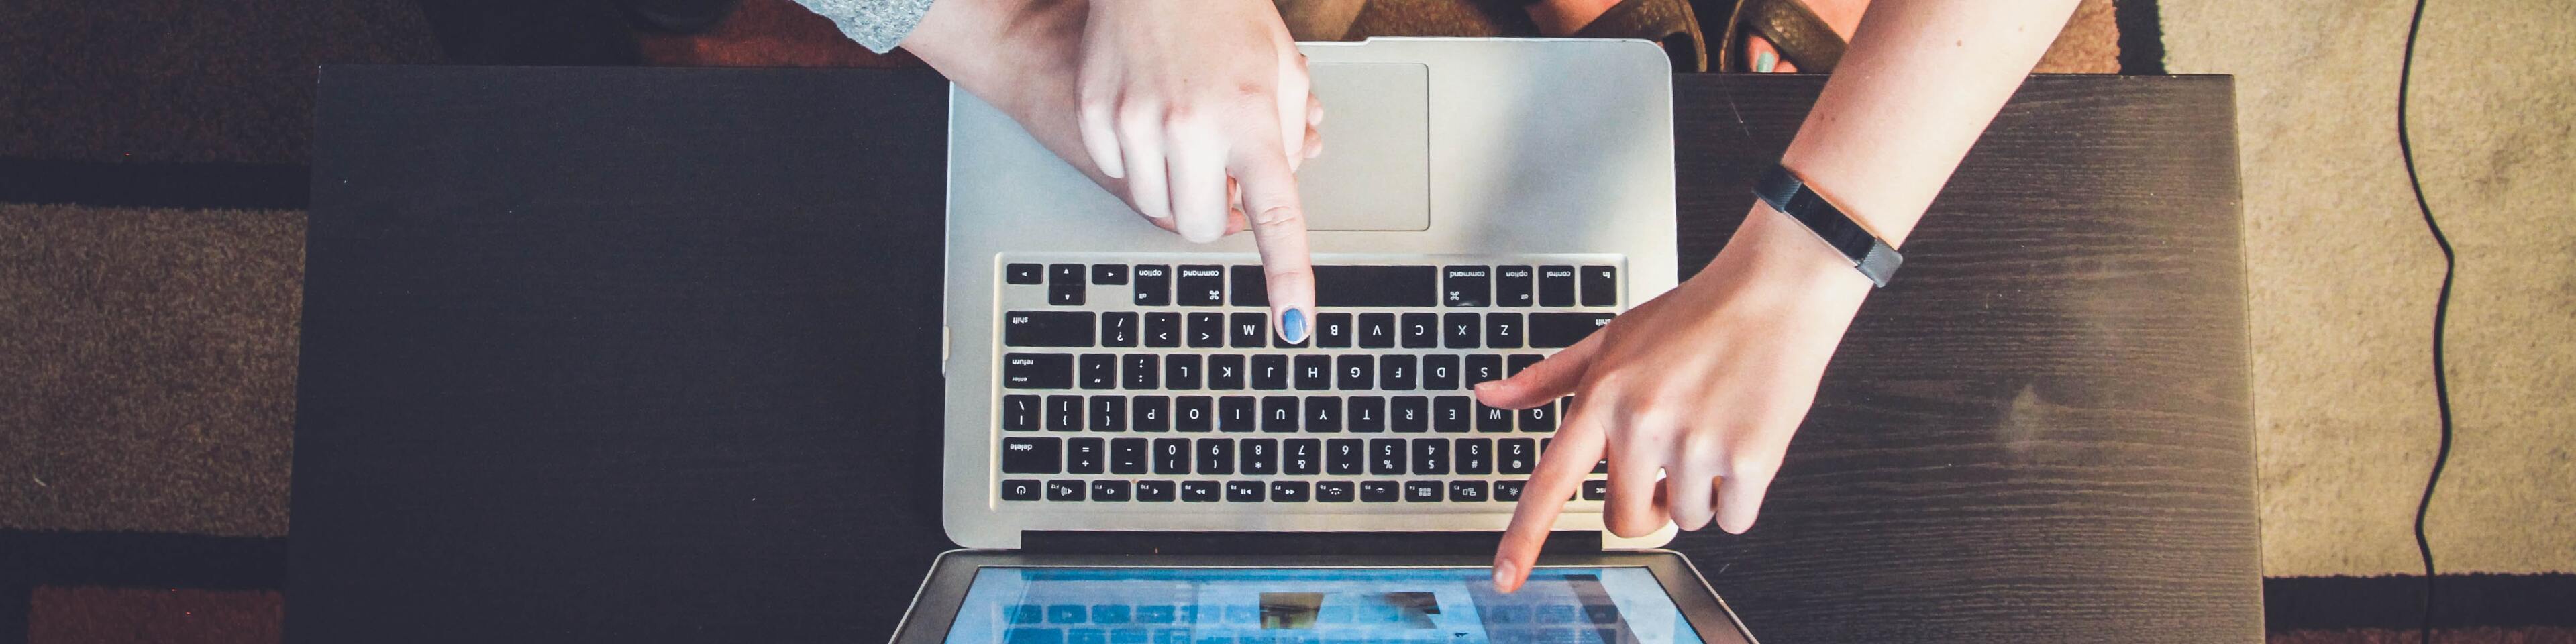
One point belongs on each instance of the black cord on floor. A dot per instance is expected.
(2441, 313)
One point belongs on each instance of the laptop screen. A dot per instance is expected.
(1438, 605)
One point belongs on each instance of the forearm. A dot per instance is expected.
(1917, 86)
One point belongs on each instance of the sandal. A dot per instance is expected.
(1668, 22)
(1793, 28)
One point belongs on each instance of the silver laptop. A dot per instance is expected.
(1116, 391)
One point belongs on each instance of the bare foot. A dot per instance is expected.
(1564, 17)
(1841, 15)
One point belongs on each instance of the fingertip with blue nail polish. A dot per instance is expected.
(1292, 326)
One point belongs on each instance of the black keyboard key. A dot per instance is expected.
(1340, 286)
(1085, 455)
(1422, 491)
(1250, 330)
(1198, 491)
(1333, 330)
(1377, 331)
(1149, 414)
(1171, 456)
(1257, 456)
(1243, 491)
(1225, 372)
(1430, 455)
(1556, 286)
(1024, 274)
(1474, 455)
(1207, 330)
(1483, 368)
(1596, 489)
(1047, 329)
(1037, 371)
(1333, 492)
(1386, 456)
(1539, 419)
(1251, 286)
(1466, 285)
(1237, 414)
(1460, 330)
(1379, 491)
(1119, 330)
(1270, 372)
(1279, 413)
(1493, 419)
(1440, 372)
(1141, 371)
(1065, 284)
(1411, 414)
(1064, 413)
(1181, 371)
(1600, 286)
(1032, 456)
(1513, 365)
(1503, 330)
(1464, 491)
(1515, 456)
(1064, 490)
(1561, 330)
(1153, 285)
(1020, 413)
(1099, 371)
(1512, 286)
(1194, 413)
(1216, 456)
(1323, 414)
(1354, 372)
(1301, 456)
(1395, 372)
(1163, 330)
(1367, 414)
(1421, 330)
(1288, 492)
(1021, 489)
(1108, 274)
(1344, 456)
(1314, 372)
(1508, 491)
(1106, 490)
(1154, 491)
(1452, 413)
(1108, 414)
(1128, 455)
(1200, 286)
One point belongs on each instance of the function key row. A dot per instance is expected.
(1314, 414)
(1335, 285)
(1278, 491)
(1333, 330)
(1266, 372)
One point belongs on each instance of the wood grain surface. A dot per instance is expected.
(652, 355)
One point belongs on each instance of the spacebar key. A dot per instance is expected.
(1405, 286)
(1561, 330)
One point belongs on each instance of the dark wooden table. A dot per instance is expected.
(641, 355)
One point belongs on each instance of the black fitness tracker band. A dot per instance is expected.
(1785, 193)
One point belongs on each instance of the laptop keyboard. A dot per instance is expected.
(1143, 383)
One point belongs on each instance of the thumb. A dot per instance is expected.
(1548, 380)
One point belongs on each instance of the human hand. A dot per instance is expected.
(1202, 106)
(1704, 384)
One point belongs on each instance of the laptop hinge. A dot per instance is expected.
(1289, 543)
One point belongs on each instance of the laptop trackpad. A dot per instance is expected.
(1375, 171)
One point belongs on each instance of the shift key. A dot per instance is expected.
(1047, 329)
(1561, 330)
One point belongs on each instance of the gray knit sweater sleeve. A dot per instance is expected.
(878, 24)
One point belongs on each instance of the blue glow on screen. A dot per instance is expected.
(1445, 605)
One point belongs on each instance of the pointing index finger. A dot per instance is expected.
(1278, 221)
(1560, 470)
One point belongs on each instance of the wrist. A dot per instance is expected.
(1772, 250)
